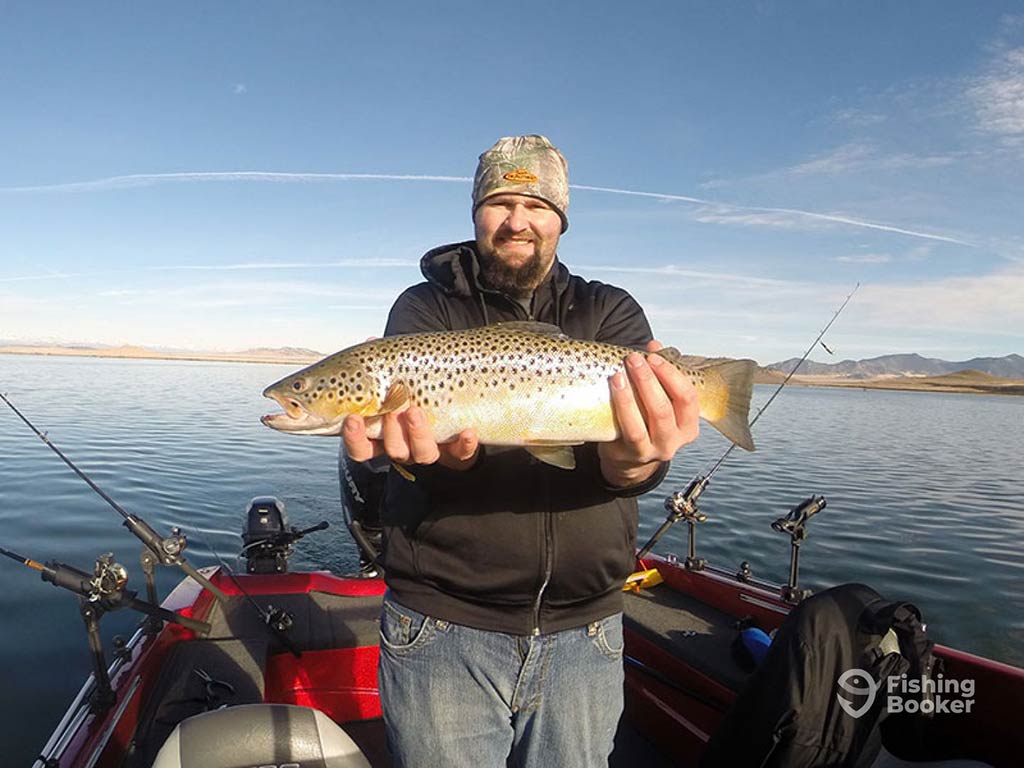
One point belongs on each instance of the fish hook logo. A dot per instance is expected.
(849, 682)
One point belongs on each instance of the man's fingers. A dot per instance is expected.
(422, 445)
(653, 401)
(461, 452)
(683, 396)
(357, 445)
(396, 446)
(630, 419)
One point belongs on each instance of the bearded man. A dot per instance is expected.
(501, 633)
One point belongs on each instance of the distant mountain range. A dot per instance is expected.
(1010, 367)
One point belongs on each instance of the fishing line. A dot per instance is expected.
(785, 381)
(684, 503)
(275, 620)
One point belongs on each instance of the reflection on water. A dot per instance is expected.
(924, 500)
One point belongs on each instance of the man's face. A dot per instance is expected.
(517, 237)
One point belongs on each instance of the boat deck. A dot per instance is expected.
(237, 651)
(692, 631)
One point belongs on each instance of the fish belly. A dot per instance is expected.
(531, 415)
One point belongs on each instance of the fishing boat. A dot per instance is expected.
(278, 668)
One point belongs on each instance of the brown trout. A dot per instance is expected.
(517, 384)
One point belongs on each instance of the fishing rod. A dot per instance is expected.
(683, 504)
(169, 550)
(104, 586)
(276, 620)
(100, 592)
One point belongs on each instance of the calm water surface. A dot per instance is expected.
(924, 501)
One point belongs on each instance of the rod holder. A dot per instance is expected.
(795, 526)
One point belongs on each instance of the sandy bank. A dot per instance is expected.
(141, 353)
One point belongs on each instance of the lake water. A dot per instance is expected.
(925, 501)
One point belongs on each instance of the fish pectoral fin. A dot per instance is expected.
(560, 456)
(396, 399)
(404, 472)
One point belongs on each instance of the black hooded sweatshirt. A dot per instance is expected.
(512, 544)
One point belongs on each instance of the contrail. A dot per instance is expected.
(145, 179)
(790, 211)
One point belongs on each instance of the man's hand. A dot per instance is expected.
(656, 416)
(408, 439)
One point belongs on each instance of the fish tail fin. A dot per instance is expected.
(725, 387)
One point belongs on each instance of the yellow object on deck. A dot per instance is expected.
(642, 580)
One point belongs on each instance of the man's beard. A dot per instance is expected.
(516, 281)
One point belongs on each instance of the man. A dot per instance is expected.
(501, 634)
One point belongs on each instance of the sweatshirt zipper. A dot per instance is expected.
(548, 567)
(548, 533)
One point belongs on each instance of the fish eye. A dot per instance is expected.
(300, 384)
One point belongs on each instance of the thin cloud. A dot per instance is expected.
(857, 118)
(670, 270)
(52, 275)
(985, 303)
(845, 158)
(854, 157)
(239, 88)
(865, 258)
(378, 263)
(998, 98)
(149, 179)
(341, 264)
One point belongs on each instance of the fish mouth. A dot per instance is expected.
(297, 420)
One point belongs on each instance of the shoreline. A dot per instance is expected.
(141, 354)
(961, 382)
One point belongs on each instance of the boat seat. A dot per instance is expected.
(260, 734)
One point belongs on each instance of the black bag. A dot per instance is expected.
(789, 713)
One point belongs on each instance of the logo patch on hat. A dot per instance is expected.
(520, 176)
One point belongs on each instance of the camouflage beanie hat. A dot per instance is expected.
(524, 165)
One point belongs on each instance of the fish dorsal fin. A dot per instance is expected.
(528, 326)
(397, 398)
(560, 456)
(673, 355)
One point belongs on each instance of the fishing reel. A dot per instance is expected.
(267, 541)
(109, 578)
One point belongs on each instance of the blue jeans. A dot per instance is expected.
(454, 696)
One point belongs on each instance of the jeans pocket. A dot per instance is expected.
(607, 636)
(402, 629)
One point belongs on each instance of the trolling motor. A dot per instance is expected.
(267, 541)
(100, 592)
(795, 524)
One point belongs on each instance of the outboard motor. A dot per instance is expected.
(265, 523)
(267, 541)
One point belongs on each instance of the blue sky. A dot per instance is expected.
(235, 175)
